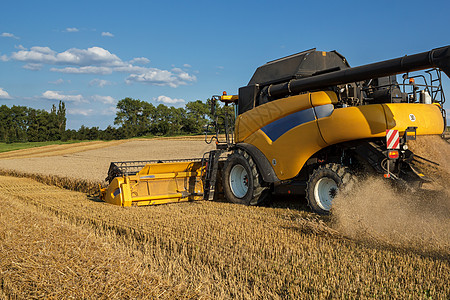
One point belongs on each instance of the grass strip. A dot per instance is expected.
(6, 147)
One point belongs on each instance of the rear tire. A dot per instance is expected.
(242, 183)
(324, 184)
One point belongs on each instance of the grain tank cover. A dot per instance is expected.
(303, 64)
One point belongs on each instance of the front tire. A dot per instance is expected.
(242, 183)
(323, 186)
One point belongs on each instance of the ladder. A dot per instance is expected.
(211, 168)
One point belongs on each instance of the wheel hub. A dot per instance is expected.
(333, 192)
(238, 181)
(325, 191)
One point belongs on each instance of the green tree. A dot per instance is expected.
(130, 116)
(5, 122)
(69, 134)
(61, 118)
(53, 133)
(109, 133)
(146, 119)
(176, 120)
(137, 118)
(32, 126)
(93, 133)
(83, 133)
(160, 123)
(196, 117)
(19, 115)
(43, 122)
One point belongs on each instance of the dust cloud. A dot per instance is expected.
(376, 212)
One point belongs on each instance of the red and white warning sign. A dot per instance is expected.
(392, 139)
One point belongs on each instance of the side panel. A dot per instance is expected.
(369, 121)
(352, 123)
(113, 194)
(290, 151)
(254, 119)
(286, 130)
(426, 117)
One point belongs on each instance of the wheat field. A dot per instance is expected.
(91, 162)
(58, 241)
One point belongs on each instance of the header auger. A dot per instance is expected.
(305, 124)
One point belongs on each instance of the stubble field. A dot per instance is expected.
(57, 243)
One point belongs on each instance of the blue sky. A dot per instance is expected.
(91, 54)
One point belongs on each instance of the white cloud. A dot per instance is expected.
(131, 69)
(168, 100)
(108, 34)
(73, 56)
(104, 99)
(187, 66)
(35, 55)
(184, 75)
(33, 67)
(109, 111)
(57, 82)
(72, 29)
(4, 94)
(80, 111)
(162, 78)
(20, 47)
(96, 60)
(83, 70)
(99, 82)
(9, 35)
(55, 95)
(140, 60)
(4, 58)
(154, 77)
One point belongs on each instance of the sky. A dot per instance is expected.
(91, 54)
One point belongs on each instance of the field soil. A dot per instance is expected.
(57, 243)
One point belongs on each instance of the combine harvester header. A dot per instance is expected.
(305, 124)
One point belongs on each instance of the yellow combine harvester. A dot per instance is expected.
(305, 124)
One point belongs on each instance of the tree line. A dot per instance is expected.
(134, 118)
(25, 124)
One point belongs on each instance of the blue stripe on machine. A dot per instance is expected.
(276, 129)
